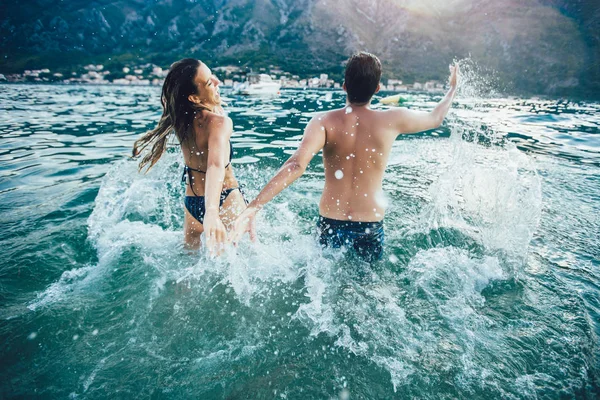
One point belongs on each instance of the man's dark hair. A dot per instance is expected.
(363, 72)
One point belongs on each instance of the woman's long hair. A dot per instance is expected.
(178, 112)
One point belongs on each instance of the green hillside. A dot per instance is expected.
(534, 46)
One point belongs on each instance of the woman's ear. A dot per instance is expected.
(378, 87)
(194, 98)
(344, 87)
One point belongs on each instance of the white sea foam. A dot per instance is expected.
(125, 199)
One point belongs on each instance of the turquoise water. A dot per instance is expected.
(489, 287)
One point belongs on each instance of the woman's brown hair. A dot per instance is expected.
(178, 112)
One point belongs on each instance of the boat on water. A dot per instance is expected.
(396, 100)
(257, 84)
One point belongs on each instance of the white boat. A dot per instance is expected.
(257, 84)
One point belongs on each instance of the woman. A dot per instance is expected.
(192, 110)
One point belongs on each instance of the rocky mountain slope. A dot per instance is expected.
(535, 46)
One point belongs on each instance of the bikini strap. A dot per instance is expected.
(187, 168)
(186, 172)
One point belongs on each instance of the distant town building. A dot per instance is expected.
(228, 69)
(121, 81)
(158, 71)
(92, 67)
(151, 74)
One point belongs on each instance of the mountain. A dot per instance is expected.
(534, 46)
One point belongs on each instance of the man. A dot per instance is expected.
(356, 143)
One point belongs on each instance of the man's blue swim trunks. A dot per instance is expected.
(366, 238)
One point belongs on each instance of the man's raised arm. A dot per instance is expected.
(410, 121)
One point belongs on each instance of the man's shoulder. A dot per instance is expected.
(331, 113)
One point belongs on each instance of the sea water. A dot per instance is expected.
(489, 286)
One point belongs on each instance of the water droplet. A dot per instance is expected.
(367, 231)
(393, 259)
(345, 393)
(339, 174)
(75, 337)
(349, 216)
(381, 199)
(95, 332)
(348, 110)
(32, 335)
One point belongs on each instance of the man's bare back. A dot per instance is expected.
(357, 146)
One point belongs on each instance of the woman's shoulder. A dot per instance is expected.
(220, 123)
(217, 119)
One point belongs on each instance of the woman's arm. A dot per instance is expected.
(219, 130)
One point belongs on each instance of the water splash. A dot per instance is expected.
(489, 190)
(442, 318)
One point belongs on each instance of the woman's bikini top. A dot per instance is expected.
(187, 169)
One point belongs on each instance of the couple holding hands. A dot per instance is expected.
(356, 142)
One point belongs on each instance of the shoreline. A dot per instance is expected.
(523, 96)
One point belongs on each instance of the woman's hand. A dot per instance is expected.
(215, 233)
(245, 222)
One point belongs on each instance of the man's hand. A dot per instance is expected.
(245, 222)
(215, 233)
(453, 81)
